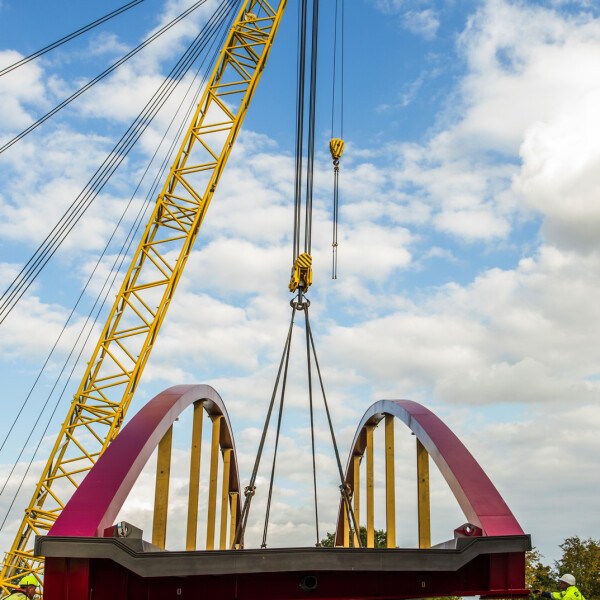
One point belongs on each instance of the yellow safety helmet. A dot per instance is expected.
(29, 580)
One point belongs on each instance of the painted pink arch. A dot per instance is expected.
(96, 503)
(478, 498)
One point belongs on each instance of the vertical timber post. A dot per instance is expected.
(423, 496)
(225, 497)
(370, 489)
(356, 497)
(212, 489)
(161, 494)
(390, 482)
(233, 496)
(192, 519)
(346, 541)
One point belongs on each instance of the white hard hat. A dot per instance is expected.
(568, 579)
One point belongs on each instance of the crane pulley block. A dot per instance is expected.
(301, 273)
(336, 147)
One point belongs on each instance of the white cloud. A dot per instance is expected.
(20, 90)
(517, 140)
(423, 22)
(561, 173)
(519, 336)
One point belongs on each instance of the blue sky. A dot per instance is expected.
(468, 261)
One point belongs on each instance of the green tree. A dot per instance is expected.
(537, 574)
(380, 539)
(581, 558)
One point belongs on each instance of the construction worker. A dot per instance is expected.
(568, 591)
(27, 590)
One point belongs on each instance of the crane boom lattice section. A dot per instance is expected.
(112, 375)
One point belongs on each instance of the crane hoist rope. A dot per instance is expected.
(80, 205)
(68, 38)
(100, 77)
(105, 289)
(300, 281)
(336, 145)
(282, 374)
(113, 373)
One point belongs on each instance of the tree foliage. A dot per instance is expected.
(380, 539)
(537, 574)
(579, 557)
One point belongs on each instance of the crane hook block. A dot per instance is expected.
(301, 273)
(336, 147)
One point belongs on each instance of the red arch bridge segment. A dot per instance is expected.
(475, 493)
(83, 564)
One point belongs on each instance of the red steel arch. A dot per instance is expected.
(477, 496)
(96, 503)
(81, 564)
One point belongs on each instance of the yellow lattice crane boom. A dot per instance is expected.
(112, 375)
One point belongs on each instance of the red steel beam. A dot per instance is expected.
(477, 496)
(96, 503)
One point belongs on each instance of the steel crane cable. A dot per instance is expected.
(114, 272)
(312, 420)
(300, 79)
(336, 161)
(343, 486)
(98, 180)
(122, 254)
(69, 37)
(279, 417)
(79, 206)
(126, 245)
(300, 86)
(311, 129)
(101, 76)
(308, 223)
(250, 489)
(333, 86)
(297, 303)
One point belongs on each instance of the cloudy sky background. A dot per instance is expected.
(469, 272)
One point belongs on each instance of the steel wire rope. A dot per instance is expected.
(110, 164)
(342, 73)
(343, 486)
(132, 233)
(311, 128)
(312, 421)
(79, 206)
(82, 202)
(250, 489)
(100, 77)
(300, 81)
(335, 20)
(336, 170)
(300, 101)
(122, 255)
(335, 53)
(279, 419)
(69, 37)
(143, 209)
(123, 251)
